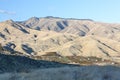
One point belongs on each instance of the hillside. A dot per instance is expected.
(13, 63)
(79, 27)
(65, 37)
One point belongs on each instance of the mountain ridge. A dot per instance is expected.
(37, 37)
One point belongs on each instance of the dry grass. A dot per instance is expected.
(67, 73)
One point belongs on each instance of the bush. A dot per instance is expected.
(1, 48)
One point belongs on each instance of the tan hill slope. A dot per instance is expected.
(38, 41)
(79, 27)
(89, 46)
(66, 37)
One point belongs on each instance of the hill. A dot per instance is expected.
(63, 36)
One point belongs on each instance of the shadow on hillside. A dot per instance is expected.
(18, 26)
(9, 47)
(46, 70)
(27, 49)
(13, 63)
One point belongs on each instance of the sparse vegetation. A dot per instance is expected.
(1, 48)
(80, 60)
(67, 73)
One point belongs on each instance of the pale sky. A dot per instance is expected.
(98, 10)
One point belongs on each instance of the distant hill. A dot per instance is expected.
(63, 36)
